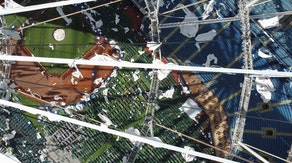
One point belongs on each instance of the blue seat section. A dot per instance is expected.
(265, 8)
(270, 119)
(272, 6)
(280, 47)
(288, 88)
(283, 5)
(255, 97)
(287, 35)
(286, 112)
(226, 46)
(226, 85)
(273, 116)
(279, 94)
(244, 155)
(283, 53)
(282, 38)
(277, 113)
(231, 5)
(204, 76)
(278, 145)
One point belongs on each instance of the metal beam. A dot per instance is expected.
(152, 97)
(247, 83)
(253, 152)
(221, 20)
(264, 73)
(7, 11)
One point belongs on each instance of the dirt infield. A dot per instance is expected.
(34, 79)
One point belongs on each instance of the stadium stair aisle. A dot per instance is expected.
(218, 118)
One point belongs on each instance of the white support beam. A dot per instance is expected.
(7, 11)
(253, 153)
(250, 3)
(264, 73)
(254, 3)
(146, 140)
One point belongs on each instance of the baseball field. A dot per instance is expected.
(41, 42)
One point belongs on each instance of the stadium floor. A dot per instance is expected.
(47, 86)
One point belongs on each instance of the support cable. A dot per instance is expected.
(179, 8)
(253, 153)
(73, 13)
(262, 151)
(199, 141)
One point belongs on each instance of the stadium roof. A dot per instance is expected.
(210, 34)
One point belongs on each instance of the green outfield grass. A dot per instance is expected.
(78, 38)
(14, 20)
(38, 40)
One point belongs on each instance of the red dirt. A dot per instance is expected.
(133, 13)
(29, 78)
(32, 83)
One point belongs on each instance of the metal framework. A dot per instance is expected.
(147, 129)
(221, 20)
(5, 65)
(289, 158)
(247, 83)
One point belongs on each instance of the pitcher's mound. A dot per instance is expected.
(59, 34)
